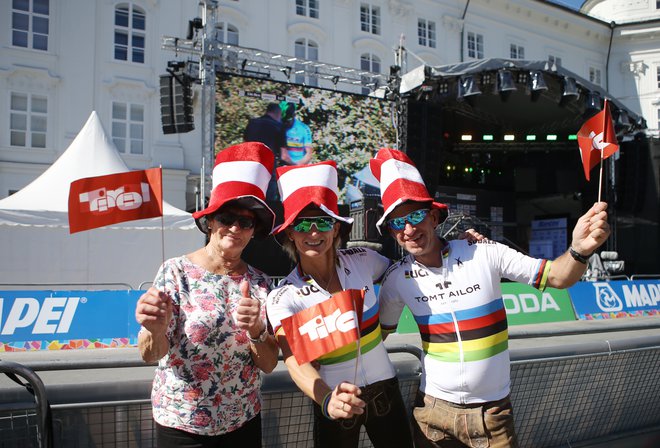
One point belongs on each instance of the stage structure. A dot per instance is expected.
(207, 56)
(496, 139)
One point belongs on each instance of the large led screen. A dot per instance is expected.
(346, 128)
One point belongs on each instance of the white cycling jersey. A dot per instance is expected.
(461, 317)
(358, 268)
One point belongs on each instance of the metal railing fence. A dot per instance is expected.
(562, 396)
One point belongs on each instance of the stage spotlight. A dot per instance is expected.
(194, 25)
(622, 123)
(505, 84)
(640, 123)
(537, 84)
(593, 103)
(467, 87)
(569, 90)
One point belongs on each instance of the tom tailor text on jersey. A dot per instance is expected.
(450, 294)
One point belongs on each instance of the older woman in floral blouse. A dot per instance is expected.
(204, 318)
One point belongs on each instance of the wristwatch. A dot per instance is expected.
(261, 338)
(584, 259)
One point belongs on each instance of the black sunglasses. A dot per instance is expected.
(228, 219)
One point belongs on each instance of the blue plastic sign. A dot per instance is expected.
(612, 299)
(67, 315)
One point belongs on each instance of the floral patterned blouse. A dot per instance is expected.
(207, 383)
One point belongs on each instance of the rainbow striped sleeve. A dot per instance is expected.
(541, 277)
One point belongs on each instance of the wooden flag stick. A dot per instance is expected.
(358, 341)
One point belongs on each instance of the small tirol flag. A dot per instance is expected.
(597, 139)
(325, 327)
(114, 198)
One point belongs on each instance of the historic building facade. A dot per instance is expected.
(59, 61)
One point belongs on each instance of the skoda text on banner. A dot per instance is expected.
(325, 327)
(597, 139)
(104, 200)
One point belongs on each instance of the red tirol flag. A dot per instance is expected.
(325, 327)
(104, 200)
(596, 139)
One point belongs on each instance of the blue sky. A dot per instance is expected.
(574, 4)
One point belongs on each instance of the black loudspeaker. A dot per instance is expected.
(176, 107)
(365, 214)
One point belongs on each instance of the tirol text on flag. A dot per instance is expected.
(325, 327)
(114, 198)
(597, 139)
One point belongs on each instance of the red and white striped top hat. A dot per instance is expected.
(241, 174)
(400, 181)
(302, 185)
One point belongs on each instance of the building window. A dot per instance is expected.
(426, 33)
(309, 8)
(28, 120)
(517, 51)
(370, 63)
(309, 50)
(556, 60)
(657, 75)
(475, 45)
(29, 24)
(128, 127)
(370, 18)
(129, 33)
(226, 33)
(594, 75)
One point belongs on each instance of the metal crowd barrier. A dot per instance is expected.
(35, 424)
(562, 396)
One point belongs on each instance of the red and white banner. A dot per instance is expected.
(325, 327)
(104, 200)
(597, 139)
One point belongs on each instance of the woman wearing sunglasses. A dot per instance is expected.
(204, 319)
(349, 389)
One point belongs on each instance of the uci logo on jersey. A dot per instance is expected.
(307, 290)
(416, 273)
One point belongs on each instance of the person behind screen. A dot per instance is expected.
(268, 129)
(311, 235)
(298, 148)
(453, 291)
(204, 318)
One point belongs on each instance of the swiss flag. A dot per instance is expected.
(596, 139)
(325, 327)
(104, 200)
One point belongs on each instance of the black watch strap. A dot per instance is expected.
(584, 259)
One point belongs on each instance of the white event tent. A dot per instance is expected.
(38, 252)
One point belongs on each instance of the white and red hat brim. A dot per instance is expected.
(304, 185)
(241, 174)
(400, 182)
